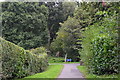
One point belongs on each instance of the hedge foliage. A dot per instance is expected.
(99, 47)
(18, 63)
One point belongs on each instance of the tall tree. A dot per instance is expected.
(67, 37)
(58, 12)
(24, 23)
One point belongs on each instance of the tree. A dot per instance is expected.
(67, 38)
(58, 12)
(68, 9)
(25, 23)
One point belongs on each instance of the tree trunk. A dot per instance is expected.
(48, 47)
(65, 57)
(49, 36)
(48, 44)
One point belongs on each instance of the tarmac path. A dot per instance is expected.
(70, 71)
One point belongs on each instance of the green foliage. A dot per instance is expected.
(99, 47)
(58, 12)
(34, 24)
(68, 34)
(55, 59)
(91, 12)
(39, 51)
(18, 63)
(67, 38)
(105, 56)
(83, 17)
(68, 9)
(24, 23)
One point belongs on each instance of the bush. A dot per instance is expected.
(18, 63)
(99, 47)
(105, 57)
(40, 59)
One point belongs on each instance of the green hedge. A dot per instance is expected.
(41, 63)
(105, 56)
(99, 47)
(18, 63)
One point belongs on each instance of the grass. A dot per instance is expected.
(55, 59)
(83, 70)
(58, 60)
(51, 73)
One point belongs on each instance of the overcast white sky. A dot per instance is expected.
(2, 0)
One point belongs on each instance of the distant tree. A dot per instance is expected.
(67, 37)
(69, 8)
(58, 12)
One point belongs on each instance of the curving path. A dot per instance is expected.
(71, 71)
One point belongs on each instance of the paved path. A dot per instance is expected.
(70, 71)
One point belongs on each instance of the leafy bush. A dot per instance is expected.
(105, 57)
(18, 63)
(99, 47)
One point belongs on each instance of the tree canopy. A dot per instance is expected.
(25, 24)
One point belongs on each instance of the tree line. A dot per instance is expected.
(33, 24)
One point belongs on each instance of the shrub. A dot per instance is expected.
(18, 63)
(105, 57)
(99, 47)
(40, 59)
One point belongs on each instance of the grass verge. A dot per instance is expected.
(51, 73)
(83, 70)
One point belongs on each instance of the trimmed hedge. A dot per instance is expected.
(18, 63)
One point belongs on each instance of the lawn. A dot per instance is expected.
(83, 70)
(51, 73)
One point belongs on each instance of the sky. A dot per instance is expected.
(2, 0)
